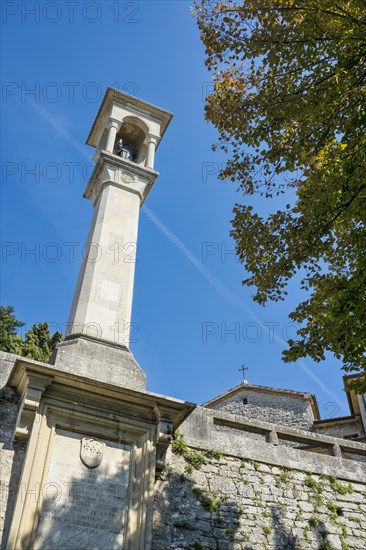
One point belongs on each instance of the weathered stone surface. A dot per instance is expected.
(233, 435)
(260, 495)
(285, 407)
(99, 361)
(40, 403)
(87, 505)
(340, 428)
(300, 511)
(257, 496)
(11, 456)
(7, 361)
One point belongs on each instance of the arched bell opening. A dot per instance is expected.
(130, 139)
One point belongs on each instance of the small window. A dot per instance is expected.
(245, 401)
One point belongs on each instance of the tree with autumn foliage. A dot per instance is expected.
(289, 103)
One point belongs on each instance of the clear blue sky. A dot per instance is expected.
(56, 65)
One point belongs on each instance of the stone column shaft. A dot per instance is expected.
(103, 298)
(112, 134)
(150, 155)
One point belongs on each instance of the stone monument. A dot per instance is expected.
(98, 332)
(95, 439)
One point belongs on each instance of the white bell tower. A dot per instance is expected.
(125, 134)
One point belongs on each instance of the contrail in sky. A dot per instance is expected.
(217, 285)
(59, 127)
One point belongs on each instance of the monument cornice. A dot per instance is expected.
(126, 175)
(25, 370)
(114, 96)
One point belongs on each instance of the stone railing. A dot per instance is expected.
(305, 441)
(274, 444)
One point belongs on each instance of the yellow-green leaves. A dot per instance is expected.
(290, 105)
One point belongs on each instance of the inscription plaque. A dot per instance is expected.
(84, 508)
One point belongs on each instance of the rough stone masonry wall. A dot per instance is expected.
(257, 495)
(231, 483)
(341, 429)
(11, 458)
(11, 453)
(269, 407)
(230, 503)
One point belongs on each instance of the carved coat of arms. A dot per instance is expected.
(91, 452)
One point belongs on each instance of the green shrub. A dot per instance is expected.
(179, 446)
(313, 484)
(229, 533)
(209, 503)
(313, 522)
(355, 519)
(213, 454)
(195, 459)
(284, 477)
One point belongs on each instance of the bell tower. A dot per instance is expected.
(125, 135)
(95, 438)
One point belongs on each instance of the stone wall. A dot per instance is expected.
(11, 453)
(7, 361)
(340, 428)
(269, 407)
(11, 458)
(232, 483)
(231, 503)
(235, 483)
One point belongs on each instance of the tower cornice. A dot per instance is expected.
(111, 169)
(114, 97)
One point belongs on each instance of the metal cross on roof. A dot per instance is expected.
(243, 369)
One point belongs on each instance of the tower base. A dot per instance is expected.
(99, 360)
